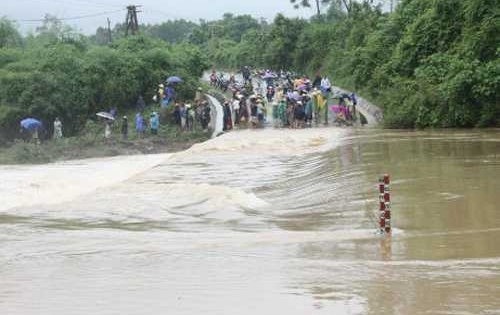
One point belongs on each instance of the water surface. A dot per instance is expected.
(259, 222)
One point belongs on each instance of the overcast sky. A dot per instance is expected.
(154, 11)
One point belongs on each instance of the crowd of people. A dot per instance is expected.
(141, 125)
(185, 115)
(168, 109)
(143, 122)
(259, 97)
(293, 101)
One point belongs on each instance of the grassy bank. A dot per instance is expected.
(91, 143)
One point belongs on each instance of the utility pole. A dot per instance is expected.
(131, 21)
(392, 5)
(109, 31)
(396, 4)
(317, 8)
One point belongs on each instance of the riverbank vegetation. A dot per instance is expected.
(90, 143)
(58, 73)
(429, 63)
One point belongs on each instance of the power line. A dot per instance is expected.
(148, 9)
(96, 3)
(76, 17)
(79, 2)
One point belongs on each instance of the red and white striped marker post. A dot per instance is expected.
(385, 204)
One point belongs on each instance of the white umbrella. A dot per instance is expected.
(105, 115)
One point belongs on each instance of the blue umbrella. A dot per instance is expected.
(174, 79)
(31, 123)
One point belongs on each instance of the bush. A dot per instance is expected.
(73, 79)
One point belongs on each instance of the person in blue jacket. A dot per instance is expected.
(154, 123)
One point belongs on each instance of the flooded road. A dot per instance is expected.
(259, 222)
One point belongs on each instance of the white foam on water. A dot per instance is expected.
(449, 196)
(265, 142)
(176, 207)
(28, 185)
(24, 186)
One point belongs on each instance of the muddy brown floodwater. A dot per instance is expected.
(259, 222)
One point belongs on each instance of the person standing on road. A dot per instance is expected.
(199, 94)
(228, 122)
(205, 115)
(183, 115)
(317, 81)
(170, 94)
(354, 101)
(154, 123)
(124, 127)
(326, 86)
(57, 129)
(190, 117)
(282, 112)
(236, 109)
(139, 125)
(107, 130)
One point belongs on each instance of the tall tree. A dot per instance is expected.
(346, 4)
(9, 36)
(171, 31)
(282, 41)
(307, 3)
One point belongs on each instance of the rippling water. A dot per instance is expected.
(259, 222)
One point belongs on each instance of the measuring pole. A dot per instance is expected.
(385, 204)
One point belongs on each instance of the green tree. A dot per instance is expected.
(171, 31)
(73, 79)
(282, 40)
(9, 36)
(347, 5)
